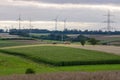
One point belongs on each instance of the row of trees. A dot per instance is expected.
(92, 41)
(2, 31)
(64, 32)
(24, 33)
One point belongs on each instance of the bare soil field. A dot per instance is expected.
(108, 49)
(6, 35)
(104, 37)
(99, 37)
(67, 76)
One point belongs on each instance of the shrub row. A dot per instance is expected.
(62, 63)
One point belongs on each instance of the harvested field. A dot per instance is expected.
(104, 37)
(6, 35)
(67, 76)
(108, 49)
(99, 37)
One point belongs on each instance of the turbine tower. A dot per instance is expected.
(30, 25)
(65, 21)
(19, 19)
(56, 23)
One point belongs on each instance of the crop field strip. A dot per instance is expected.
(10, 64)
(64, 56)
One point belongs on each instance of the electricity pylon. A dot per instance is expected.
(109, 21)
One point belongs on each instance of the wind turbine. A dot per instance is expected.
(19, 19)
(65, 21)
(30, 25)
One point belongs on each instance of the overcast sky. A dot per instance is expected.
(86, 11)
(74, 10)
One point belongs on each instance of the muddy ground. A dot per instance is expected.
(67, 76)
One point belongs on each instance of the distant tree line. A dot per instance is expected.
(14, 31)
(2, 31)
(24, 32)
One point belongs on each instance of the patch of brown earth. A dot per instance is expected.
(67, 76)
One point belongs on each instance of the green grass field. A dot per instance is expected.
(10, 64)
(64, 56)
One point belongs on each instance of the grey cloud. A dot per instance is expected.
(40, 14)
(78, 1)
(45, 14)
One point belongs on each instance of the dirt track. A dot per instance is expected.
(67, 76)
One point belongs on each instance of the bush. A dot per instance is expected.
(93, 41)
(30, 71)
(82, 42)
